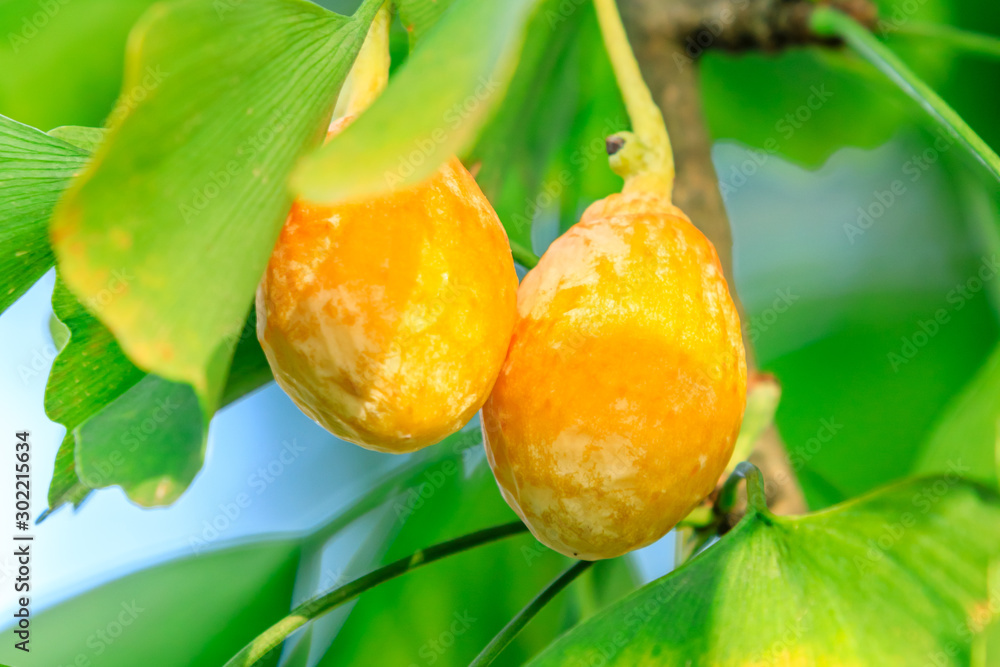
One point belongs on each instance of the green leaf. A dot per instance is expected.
(125, 427)
(419, 16)
(87, 138)
(62, 60)
(889, 579)
(150, 441)
(249, 370)
(89, 372)
(58, 332)
(34, 170)
(520, 148)
(794, 103)
(195, 611)
(966, 436)
(807, 315)
(831, 22)
(986, 650)
(188, 192)
(66, 487)
(433, 108)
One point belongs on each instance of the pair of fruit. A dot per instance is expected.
(612, 381)
(613, 378)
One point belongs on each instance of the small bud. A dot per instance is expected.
(614, 143)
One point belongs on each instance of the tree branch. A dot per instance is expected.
(739, 25)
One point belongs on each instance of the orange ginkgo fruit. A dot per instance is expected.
(623, 391)
(387, 319)
(622, 394)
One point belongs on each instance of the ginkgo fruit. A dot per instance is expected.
(620, 400)
(386, 319)
(623, 391)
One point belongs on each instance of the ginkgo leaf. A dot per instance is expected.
(125, 427)
(447, 99)
(419, 16)
(35, 168)
(187, 193)
(898, 577)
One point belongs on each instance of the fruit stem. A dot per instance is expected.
(523, 255)
(253, 652)
(643, 157)
(516, 624)
(756, 497)
(370, 73)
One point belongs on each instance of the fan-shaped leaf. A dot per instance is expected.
(898, 577)
(188, 192)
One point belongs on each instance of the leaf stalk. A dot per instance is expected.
(833, 23)
(315, 607)
(516, 624)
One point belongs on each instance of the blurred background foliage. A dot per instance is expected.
(838, 270)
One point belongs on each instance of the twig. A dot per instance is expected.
(319, 605)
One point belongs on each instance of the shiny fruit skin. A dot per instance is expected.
(387, 319)
(623, 390)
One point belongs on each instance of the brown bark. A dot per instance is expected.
(668, 36)
(738, 25)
